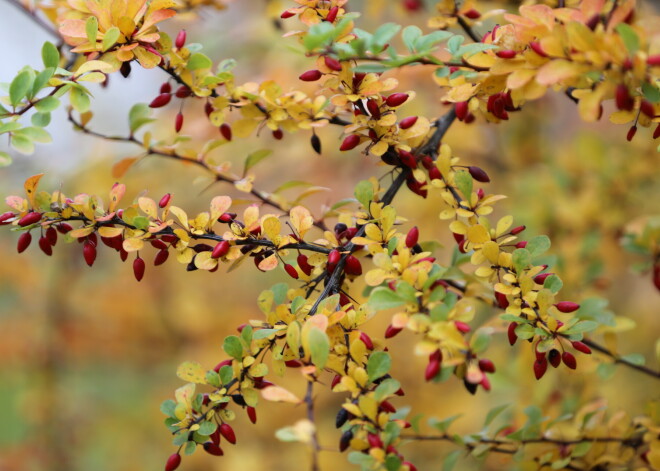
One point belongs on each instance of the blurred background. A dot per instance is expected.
(88, 354)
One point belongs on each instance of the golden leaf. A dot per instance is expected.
(31, 189)
(191, 372)
(279, 394)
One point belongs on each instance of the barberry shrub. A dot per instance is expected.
(418, 275)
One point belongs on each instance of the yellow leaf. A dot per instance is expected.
(148, 206)
(203, 261)
(279, 394)
(271, 227)
(185, 394)
(89, 66)
(622, 116)
(191, 372)
(301, 219)
(219, 205)
(133, 245)
(555, 71)
(120, 168)
(31, 188)
(477, 234)
(491, 251)
(110, 231)
(269, 263)
(82, 232)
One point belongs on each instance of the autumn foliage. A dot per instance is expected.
(365, 282)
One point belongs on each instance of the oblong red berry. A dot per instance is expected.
(291, 271)
(622, 98)
(567, 306)
(166, 88)
(89, 252)
(408, 159)
(138, 268)
(511, 333)
(536, 47)
(173, 462)
(180, 40)
(164, 201)
(160, 101)
(178, 122)
(569, 360)
(478, 174)
(396, 99)
(653, 61)
(332, 14)
(161, 257)
(24, 241)
(518, 230)
(647, 108)
(228, 433)
(374, 441)
(388, 407)
(461, 110)
(374, 109)
(311, 75)
(631, 133)
(304, 265)
(213, 449)
(332, 63)
(220, 250)
(554, 358)
(252, 414)
(51, 235)
(486, 365)
(353, 266)
(333, 257)
(183, 92)
(408, 122)
(472, 14)
(581, 347)
(391, 331)
(6, 216)
(412, 237)
(350, 142)
(366, 340)
(45, 246)
(432, 370)
(225, 130)
(540, 279)
(30, 218)
(435, 174)
(540, 367)
(506, 54)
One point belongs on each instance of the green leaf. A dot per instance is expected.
(629, 37)
(264, 333)
(392, 463)
(521, 259)
(110, 38)
(317, 35)
(581, 449)
(232, 347)
(207, 428)
(524, 331)
(383, 298)
(386, 388)
(92, 29)
(50, 55)
(379, 365)
(538, 245)
(5, 159)
(450, 460)
(443, 425)
(79, 100)
(553, 283)
(635, 358)
(254, 158)
(35, 134)
(47, 104)
(471, 49)
(426, 42)
(364, 460)
(464, 183)
(319, 346)
(22, 144)
(167, 407)
(138, 116)
(371, 68)
(581, 327)
(364, 193)
(383, 35)
(226, 374)
(189, 448)
(199, 61)
(19, 87)
(141, 222)
(454, 44)
(651, 92)
(213, 378)
(41, 80)
(410, 35)
(180, 438)
(480, 341)
(493, 413)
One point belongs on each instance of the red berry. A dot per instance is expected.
(278, 134)
(225, 130)
(6, 216)
(332, 63)
(462, 327)
(487, 366)
(353, 266)
(387, 407)
(462, 110)
(623, 99)
(213, 449)
(182, 92)
(432, 370)
(228, 432)
(567, 306)
(408, 159)
(180, 40)
(215, 436)
(166, 88)
(304, 265)
(396, 99)
(29, 218)
(51, 235)
(569, 360)
(540, 279)
(161, 100)
(647, 108)
(478, 174)
(435, 174)
(581, 347)
(291, 271)
(138, 268)
(391, 331)
(226, 362)
(522, 244)
(373, 108)
(631, 133)
(472, 14)
(518, 230)
(413, 5)
(173, 462)
(161, 257)
(366, 340)
(653, 61)
(220, 250)
(24, 241)
(311, 75)
(252, 414)
(45, 246)
(332, 14)
(350, 142)
(374, 441)
(412, 237)
(178, 122)
(554, 358)
(287, 14)
(89, 252)
(540, 367)
(408, 122)
(506, 54)
(333, 258)
(165, 200)
(511, 333)
(656, 133)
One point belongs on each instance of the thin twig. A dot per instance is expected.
(309, 400)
